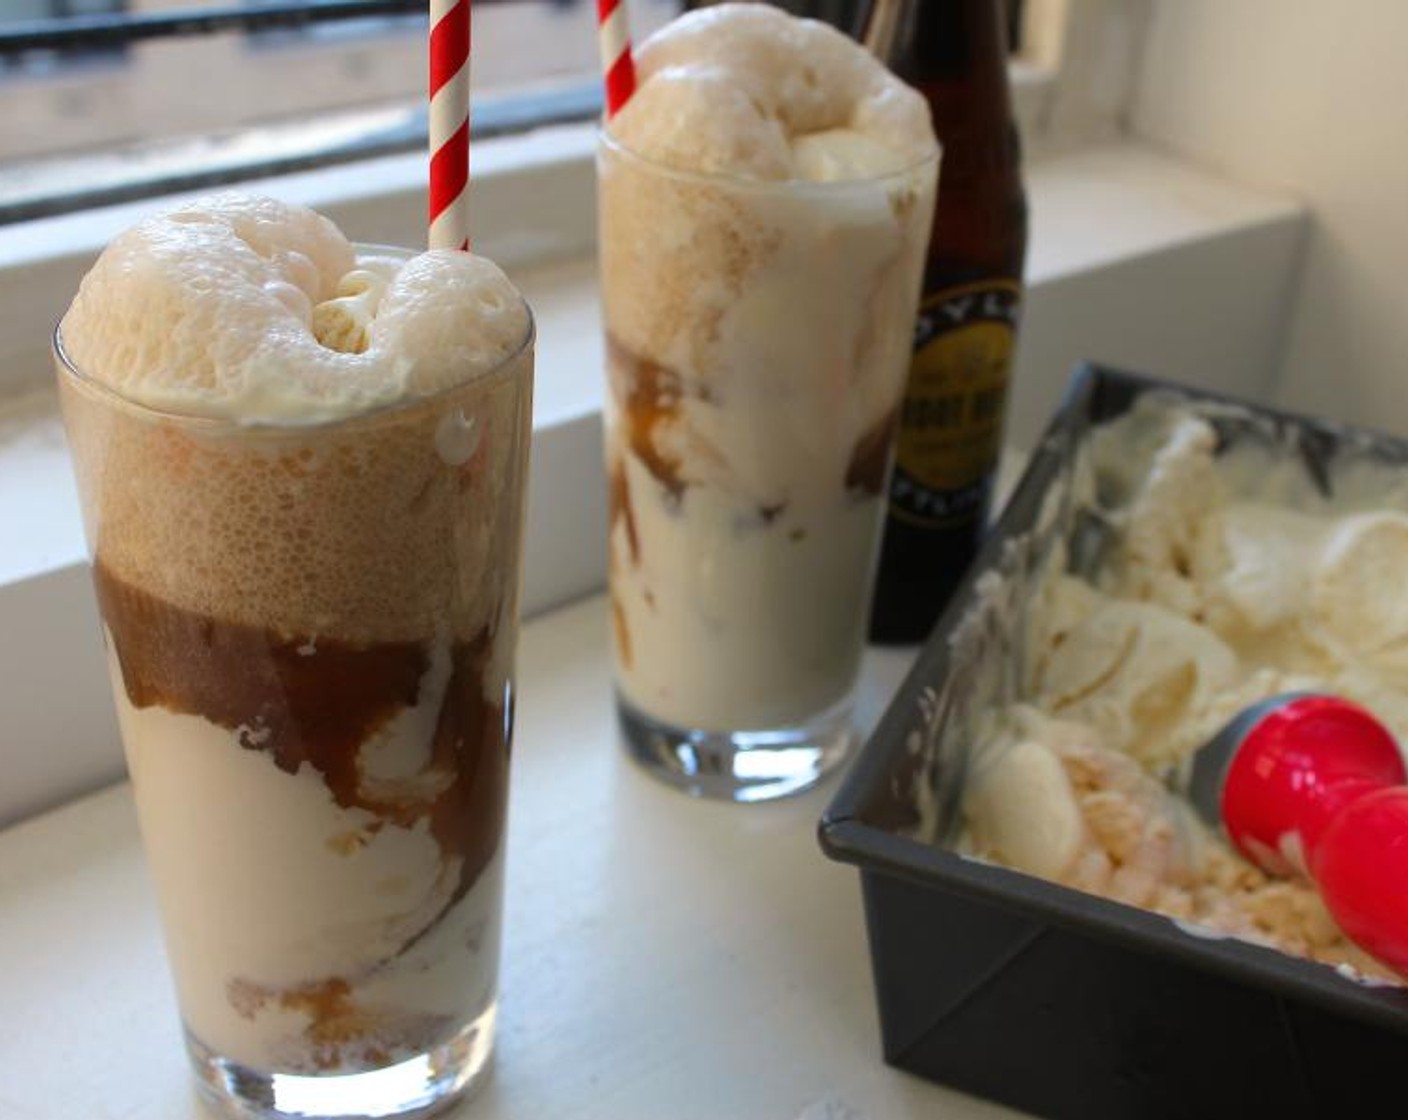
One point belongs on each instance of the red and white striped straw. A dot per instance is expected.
(449, 124)
(617, 66)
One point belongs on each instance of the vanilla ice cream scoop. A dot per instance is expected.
(1262, 580)
(246, 308)
(1362, 554)
(745, 89)
(1136, 671)
(344, 323)
(1022, 809)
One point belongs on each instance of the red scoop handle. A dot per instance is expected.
(1361, 870)
(1318, 785)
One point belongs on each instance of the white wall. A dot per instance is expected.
(1307, 96)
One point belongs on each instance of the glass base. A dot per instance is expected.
(410, 1090)
(738, 765)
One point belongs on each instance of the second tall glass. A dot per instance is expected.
(758, 336)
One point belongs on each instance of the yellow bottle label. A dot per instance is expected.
(950, 430)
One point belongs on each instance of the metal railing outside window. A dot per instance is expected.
(193, 94)
(36, 13)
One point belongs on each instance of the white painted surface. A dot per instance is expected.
(1306, 97)
(1143, 262)
(1087, 50)
(58, 735)
(663, 957)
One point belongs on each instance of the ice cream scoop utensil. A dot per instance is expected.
(1315, 785)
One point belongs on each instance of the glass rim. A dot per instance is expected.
(501, 371)
(606, 141)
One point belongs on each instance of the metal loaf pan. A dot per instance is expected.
(1043, 998)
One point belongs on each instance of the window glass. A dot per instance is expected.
(102, 114)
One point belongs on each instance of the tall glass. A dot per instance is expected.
(311, 632)
(758, 337)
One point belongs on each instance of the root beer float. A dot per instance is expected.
(302, 468)
(765, 198)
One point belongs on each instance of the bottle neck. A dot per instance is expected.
(956, 47)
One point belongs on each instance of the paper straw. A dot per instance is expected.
(449, 124)
(617, 66)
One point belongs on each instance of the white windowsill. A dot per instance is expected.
(1136, 260)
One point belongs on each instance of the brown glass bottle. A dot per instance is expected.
(951, 422)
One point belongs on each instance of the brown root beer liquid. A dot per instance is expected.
(951, 422)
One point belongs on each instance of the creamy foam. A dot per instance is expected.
(246, 308)
(748, 90)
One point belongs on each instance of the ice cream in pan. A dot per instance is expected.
(1236, 606)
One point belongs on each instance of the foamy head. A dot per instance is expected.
(219, 490)
(246, 308)
(748, 90)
